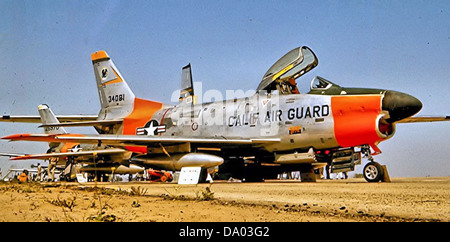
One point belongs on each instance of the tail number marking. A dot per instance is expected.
(116, 98)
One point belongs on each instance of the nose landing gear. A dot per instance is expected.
(373, 171)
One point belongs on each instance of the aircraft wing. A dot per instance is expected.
(20, 170)
(132, 139)
(63, 154)
(10, 154)
(137, 140)
(421, 119)
(37, 118)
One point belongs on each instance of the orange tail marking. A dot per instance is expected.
(142, 113)
(355, 119)
(99, 55)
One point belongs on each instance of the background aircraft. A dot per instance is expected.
(277, 129)
(71, 158)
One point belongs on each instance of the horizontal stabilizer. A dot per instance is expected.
(83, 123)
(37, 118)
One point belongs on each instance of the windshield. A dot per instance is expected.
(320, 83)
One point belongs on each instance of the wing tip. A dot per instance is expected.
(14, 136)
(23, 157)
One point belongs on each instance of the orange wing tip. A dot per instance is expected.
(28, 136)
(16, 136)
(25, 157)
(99, 55)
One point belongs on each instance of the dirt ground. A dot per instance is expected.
(404, 199)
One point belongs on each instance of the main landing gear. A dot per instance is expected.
(373, 171)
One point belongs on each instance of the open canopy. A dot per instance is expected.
(289, 67)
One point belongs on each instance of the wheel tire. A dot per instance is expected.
(373, 172)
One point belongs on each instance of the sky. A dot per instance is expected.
(45, 49)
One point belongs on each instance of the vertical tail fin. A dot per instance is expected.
(117, 100)
(116, 97)
(187, 87)
(48, 117)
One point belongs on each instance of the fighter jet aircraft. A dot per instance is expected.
(104, 158)
(277, 129)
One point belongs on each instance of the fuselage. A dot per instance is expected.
(301, 121)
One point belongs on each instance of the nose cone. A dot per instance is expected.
(400, 105)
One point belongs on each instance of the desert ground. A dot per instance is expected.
(404, 199)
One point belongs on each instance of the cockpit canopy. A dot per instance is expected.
(281, 76)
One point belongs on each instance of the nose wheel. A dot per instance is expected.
(373, 172)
